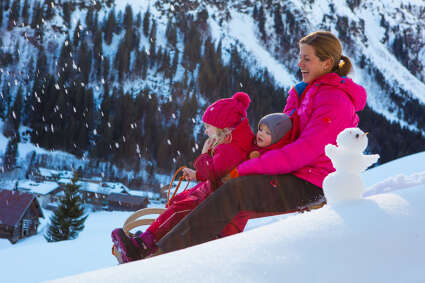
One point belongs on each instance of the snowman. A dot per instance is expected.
(349, 162)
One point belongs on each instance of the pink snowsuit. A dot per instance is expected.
(322, 108)
(209, 170)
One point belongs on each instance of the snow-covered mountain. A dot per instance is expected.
(117, 82)
(379, 238)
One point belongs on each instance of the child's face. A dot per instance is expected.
(264, 136)
(210, 130)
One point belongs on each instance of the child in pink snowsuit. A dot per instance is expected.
(229, 142)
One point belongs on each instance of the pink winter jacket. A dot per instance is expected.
(325, 107)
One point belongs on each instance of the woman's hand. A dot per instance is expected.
(207, 145)
(189, 174)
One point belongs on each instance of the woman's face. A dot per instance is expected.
(210, 130)
(310, 65)
(264, 136)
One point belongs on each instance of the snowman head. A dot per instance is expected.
(352, 139)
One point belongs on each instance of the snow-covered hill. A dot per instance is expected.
(376, 239)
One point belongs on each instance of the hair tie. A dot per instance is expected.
(341, 63)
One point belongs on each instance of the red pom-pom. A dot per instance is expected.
(243, 98)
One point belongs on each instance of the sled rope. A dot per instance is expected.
(178, 185)
(133, 220)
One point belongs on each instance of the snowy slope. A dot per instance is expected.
(377, 239)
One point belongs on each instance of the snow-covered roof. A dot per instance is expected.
(42, 188)
(52, 173)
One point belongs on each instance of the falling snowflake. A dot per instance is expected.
(94, 132)
(241, 84)
(174, 160)
(57, 86)
(169, 142)
(75, 110)
(173, 115)
(13, 114)
(117, 145)
(193, 121)
(196, 146)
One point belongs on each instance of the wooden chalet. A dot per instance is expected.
(19, 215)
(126, 202)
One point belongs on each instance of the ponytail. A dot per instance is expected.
(343, 67)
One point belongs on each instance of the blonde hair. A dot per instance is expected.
(222, 136)
(327, 46)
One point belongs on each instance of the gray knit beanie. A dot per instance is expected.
(278, 123)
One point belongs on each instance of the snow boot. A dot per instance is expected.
(127, 248)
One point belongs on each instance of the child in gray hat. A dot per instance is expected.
(274, 131)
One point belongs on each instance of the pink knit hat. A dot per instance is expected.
(227, 112)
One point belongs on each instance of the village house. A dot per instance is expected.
(19, 215)
(126, 202)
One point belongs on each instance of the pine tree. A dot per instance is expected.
(146, 21)
(50, 10)
(110, 26)
(1, 13)
(278, 24)
(25, 12)
(262, 23)
(68, 220)
(13, 15)
(9, 159)
(67, 11)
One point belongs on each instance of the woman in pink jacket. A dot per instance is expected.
(288, 178)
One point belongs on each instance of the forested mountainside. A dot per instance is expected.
(123, 83)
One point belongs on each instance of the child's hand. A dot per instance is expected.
(208, 144)
(226, 178)
(189, 174)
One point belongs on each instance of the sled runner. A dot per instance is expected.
(136, 219)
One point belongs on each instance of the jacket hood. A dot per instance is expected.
(242, 136)
(355, 92)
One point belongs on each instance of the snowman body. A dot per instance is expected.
(349, 162)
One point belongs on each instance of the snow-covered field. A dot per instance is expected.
(377, 239)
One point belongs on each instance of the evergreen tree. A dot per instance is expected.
(77, 33)
(152, 39)
(146, 23)
(67, 11)
(109, 28)
(13, 15)
(171, 33)
(1, 13)
(262, 23)
(278, 24)
(25, 12)
(68, 220)
(50, 10)
(85, 61)
(37, 15)
(9, 159)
